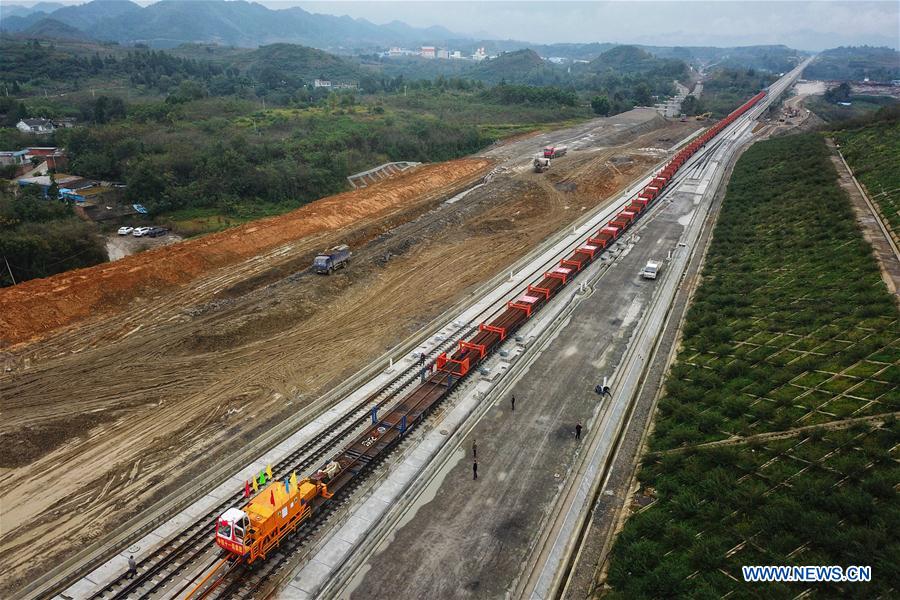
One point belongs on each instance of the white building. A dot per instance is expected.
(428, 52)
(321, 83)
(35, 126)
(456, 55)
(443, 53)
(480, 54)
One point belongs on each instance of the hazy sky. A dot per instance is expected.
(807, 25)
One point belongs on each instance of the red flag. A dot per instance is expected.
(272, 497)
(246, 489)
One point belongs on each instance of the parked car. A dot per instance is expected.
(157, 231)
(125, 230)
(141, 231)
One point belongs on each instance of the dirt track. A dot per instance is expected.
(103, 418)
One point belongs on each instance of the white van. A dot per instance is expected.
(650, 270)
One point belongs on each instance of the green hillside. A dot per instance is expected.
(873, 152)
(855, 64)
(293, 62)
(521, 66)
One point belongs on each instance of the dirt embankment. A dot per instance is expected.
(36, 307)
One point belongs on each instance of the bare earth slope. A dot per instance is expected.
(38, 306)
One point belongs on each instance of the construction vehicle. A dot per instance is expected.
(541, 164)
(704, 116)
(555, 151)
(279, 508)
(327, 262)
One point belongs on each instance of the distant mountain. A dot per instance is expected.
(17, 10)
(773, 58)
(16, 23)
(54, 30)
(88, 16)
(855, 64)
(169, 23)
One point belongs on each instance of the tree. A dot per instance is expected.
(642, 94)
(839, 94)
(100, 109)
(116, 109)
(601, 105)
(53, 190)
(368, 85)
(149, 185)
(691, 106)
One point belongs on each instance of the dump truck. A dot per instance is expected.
(555, 151)
(541, 164)
(327, 262)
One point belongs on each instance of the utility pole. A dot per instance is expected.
(10, 270)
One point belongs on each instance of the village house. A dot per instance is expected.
(36, 126)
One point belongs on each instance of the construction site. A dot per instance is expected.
(131, 386)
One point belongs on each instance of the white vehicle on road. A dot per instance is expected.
(141, 231)
(651, 270)
(125, 230)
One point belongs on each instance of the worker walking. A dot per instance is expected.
(132, 567)
(513, 402)
(475, 469)
(474, 449)
(578, 431)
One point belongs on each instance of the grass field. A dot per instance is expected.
(873, 152)
(790, 334)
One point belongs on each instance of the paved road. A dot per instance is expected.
(473, 537)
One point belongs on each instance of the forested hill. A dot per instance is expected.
(234, 23)
(855, 64)
(521, 66)
(633, 60)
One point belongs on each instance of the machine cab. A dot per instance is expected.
(231, 531)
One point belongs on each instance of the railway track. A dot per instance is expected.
(193, 546)
(170, 560)
(260, 581)
(191, 552)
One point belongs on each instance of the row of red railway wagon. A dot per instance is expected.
(518, 311)
(249, 533)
